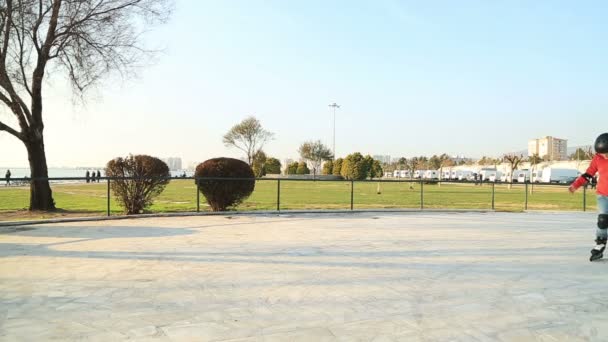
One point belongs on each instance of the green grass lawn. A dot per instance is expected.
(180, 196)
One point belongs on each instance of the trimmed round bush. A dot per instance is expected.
(150, 177)
(223, 194)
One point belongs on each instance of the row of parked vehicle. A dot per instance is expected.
(546, 175)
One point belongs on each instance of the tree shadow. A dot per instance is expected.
(94, 232)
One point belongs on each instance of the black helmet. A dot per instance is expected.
(601, 143)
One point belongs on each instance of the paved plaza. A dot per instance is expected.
(419, 276)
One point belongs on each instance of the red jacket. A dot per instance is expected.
(599, 164)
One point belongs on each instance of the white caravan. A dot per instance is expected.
(523, 176)
(431, 174)
(465, 175)
(554, 175)
(494, 176)
(485, 174)
(536, 176)
(506, 177)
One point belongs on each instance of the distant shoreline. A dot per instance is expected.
(23, 172)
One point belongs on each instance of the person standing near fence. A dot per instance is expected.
(98, 176)
(599, 165)
(87, 175)
(8, 177)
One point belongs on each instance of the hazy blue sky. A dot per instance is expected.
(413, 77)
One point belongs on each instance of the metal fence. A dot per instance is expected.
(428, 193)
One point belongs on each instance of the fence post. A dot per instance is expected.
(526, 205)
(198, 196)
(585, 198)
(493, 195)
(278, 195)
(108, 196)
(352, 191)
(421, 194)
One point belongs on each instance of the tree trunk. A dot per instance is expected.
(531, 182)
(41, 196)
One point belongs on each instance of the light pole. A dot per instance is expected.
(334, 106)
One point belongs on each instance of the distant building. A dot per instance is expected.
(383, 158)
(174, 163)
(549, 148)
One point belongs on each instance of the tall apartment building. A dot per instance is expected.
(549, 147)
(174, 163)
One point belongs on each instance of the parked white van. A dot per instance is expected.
(485, 174)
(465, 175)
(554, 175)
(494, 176)
(523, 176)
(431, 174)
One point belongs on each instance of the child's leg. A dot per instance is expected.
(602, 208)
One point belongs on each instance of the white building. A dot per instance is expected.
(550, 147)
(174, 163)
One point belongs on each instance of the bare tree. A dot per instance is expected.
(84, 40)
(315, 153)
(412, 165)
(583, 154)
(445, 161)
(248, 136)
(589, 152)
(514, 161)
(434, 162)
(534, 160)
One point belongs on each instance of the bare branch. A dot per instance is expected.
(16, 104)
(6, 31)
(23, 56)
(41, 16)
(12, 131)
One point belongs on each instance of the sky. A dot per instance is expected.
(471, 78)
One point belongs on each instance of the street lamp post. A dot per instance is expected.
(334, 106)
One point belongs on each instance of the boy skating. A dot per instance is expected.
(599, 165)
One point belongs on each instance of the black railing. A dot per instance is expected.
(197, 180)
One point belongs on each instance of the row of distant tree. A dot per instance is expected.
(316, 158)
(250, 137)
(355, 166)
